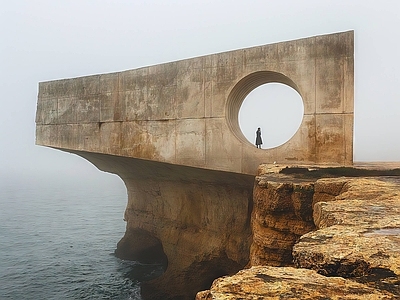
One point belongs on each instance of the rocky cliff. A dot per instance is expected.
(282, 213)
(335, 237)
(194, 222)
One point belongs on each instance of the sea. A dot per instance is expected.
(57, 240)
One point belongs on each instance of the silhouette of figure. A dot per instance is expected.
(258, 138)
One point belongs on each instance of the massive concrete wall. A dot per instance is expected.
(186, 112)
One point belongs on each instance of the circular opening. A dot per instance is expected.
(238, 95)
(276, 108)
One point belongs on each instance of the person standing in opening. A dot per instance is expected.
(258, 138)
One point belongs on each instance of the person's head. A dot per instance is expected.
(258, 128)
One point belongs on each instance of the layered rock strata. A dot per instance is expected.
(356, 237)
(282, 213)
(358, 232)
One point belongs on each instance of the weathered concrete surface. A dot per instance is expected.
(186, 112)
(263, 282)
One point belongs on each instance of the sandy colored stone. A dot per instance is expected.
(358, 222)
(282, 212)
(264, 282)
(358, 235)
(327, 189)
(283, 222)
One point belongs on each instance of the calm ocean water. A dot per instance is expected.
(57, 240)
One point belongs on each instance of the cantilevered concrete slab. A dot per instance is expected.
(186, 112)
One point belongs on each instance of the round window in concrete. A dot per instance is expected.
(275, 108)
(265, 99)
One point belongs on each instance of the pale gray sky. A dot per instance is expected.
(276, 109)
(45, 39)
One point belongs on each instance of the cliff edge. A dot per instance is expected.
(317, 235)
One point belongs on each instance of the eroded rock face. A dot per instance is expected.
(264, 282)
(282, 212)
(358, 233)
(195, 222)
(356, 237)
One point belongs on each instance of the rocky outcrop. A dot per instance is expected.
(203, 229)
(358, 233)
(264, 282)
(282, 213)
(351, 253)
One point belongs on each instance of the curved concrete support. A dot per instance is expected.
(201, 217)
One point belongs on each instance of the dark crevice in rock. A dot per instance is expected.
(381, 279)
(267, 278)
(305, 172)
(344, 268)
(207, 271)
(141, 246)
(199, 276)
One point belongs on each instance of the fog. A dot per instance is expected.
(276, 109)
(45, 40)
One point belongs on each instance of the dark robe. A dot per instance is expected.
(258, 137)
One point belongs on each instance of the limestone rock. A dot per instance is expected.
(195, 221)
(327, 189)
(282, 212)
(264, 282)
(358, 236)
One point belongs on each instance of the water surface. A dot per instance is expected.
(57, 240)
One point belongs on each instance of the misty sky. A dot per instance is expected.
(277, 109)
(46, 39)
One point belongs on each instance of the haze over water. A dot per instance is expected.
(57, 240)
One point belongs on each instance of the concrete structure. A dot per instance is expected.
(186, 112)
(171, 133)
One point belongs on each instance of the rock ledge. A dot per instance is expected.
(351, 250)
